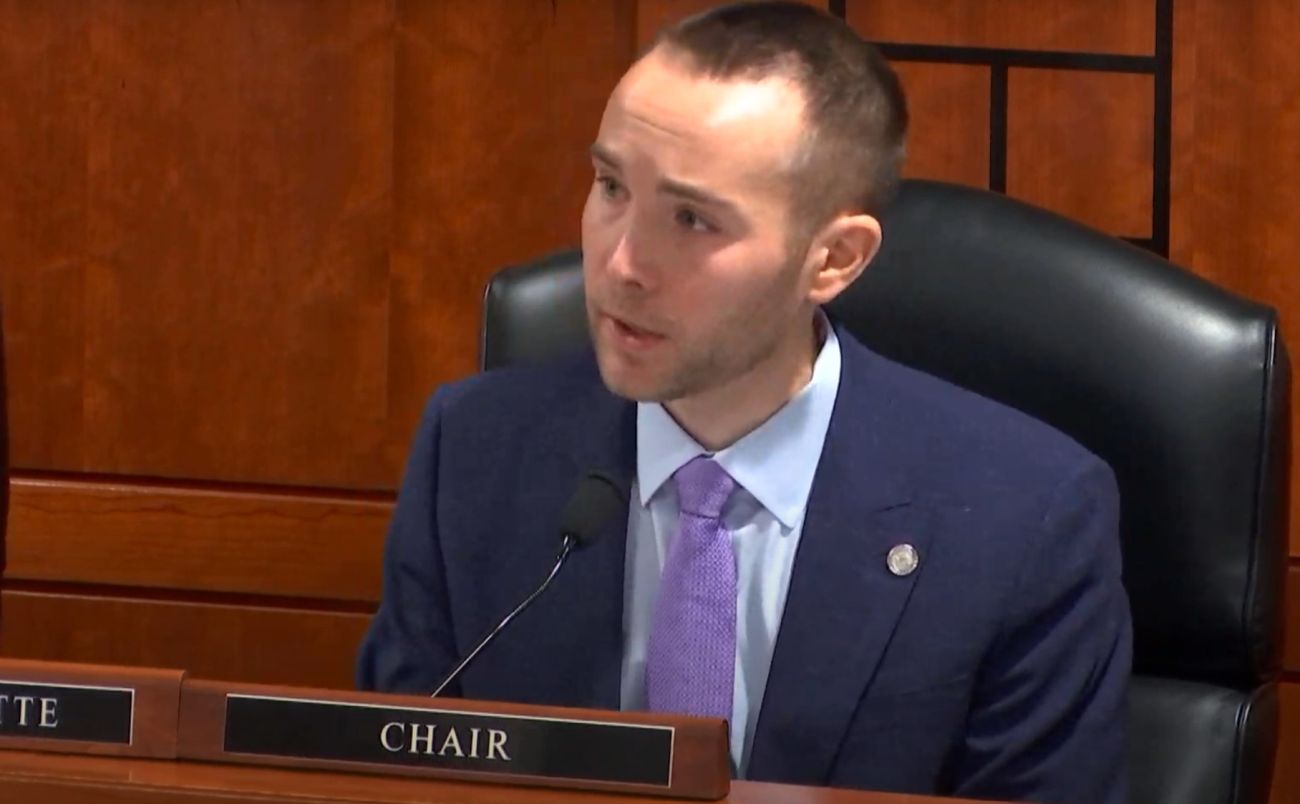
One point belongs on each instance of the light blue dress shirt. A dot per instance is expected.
(773, 467)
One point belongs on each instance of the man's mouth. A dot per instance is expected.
(631, 336)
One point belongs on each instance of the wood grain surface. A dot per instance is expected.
(227, 641)
(1096, 26)
(949, 134)
(1286, 770)
(173, 537)
(54, 779)
(155, 706)
(1090, 157)
(244, 241)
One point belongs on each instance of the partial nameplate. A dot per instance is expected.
(548, 747)
(89, 709)
(67, 712)
(484, 741)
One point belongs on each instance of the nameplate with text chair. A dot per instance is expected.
(579, 749)
(89, 709)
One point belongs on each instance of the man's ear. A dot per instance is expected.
(846, 246)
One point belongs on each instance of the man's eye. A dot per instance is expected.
(691, 220)
(609, 187)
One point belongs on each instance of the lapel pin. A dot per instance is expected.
(903, 560)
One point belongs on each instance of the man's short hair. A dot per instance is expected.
(854, 104)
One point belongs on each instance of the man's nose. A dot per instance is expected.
(630, 261)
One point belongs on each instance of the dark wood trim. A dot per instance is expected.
(1162, 145)
(998, 80)
(1007, 57)
(329, 493)
(191, 596)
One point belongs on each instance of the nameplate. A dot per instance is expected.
(66, 712)
(402, 735)
(552, 747)
(93, 709)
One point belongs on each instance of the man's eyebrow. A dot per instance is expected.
(691, 192)
(603, 154)
(673, 187)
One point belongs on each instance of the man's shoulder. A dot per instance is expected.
(962, 435)
(509, 391)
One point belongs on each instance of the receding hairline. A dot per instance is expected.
(787, 75)
(798, 164)
(853, 144)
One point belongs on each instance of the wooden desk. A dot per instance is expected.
(76, 779)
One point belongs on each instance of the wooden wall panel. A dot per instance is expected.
(264, 227)
(1286, 768)
(223, 641)
(496, 104)
(1237, 212)
(1291, 638)
(1080, 143)
(949, 108)
(210, 540)
(1239, 166)
(232, 210)
(44, 123)
(266, 141)
(1097, 26)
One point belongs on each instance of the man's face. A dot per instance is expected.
(690, 280)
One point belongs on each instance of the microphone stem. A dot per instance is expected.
(565, 548)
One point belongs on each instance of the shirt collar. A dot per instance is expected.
(775, 462)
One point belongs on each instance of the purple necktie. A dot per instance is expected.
(691, 658)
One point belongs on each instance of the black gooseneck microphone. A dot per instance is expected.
(597, 498)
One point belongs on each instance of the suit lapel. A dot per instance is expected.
(609, 446)
(843, 602)
(573, 652)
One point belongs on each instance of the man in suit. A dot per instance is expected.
(880, 580)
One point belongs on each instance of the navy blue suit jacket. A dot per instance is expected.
(997, 669)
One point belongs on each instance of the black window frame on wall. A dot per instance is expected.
(1159, 65)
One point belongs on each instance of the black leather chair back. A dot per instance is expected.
(1180, 386)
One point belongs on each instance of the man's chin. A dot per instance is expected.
(632, 391)
(633, 385)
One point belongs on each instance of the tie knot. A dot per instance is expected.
(703, 487)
